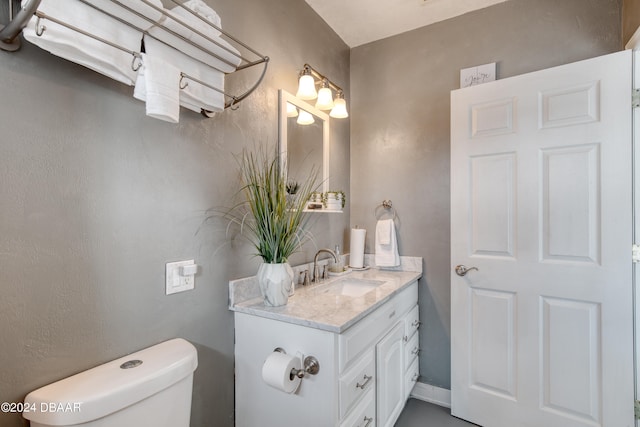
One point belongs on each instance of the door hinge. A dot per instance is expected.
(635, 253)
(635, 98)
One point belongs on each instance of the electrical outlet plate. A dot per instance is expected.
(174, 281)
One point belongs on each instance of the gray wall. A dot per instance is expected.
(630, 18)
(95, 198)
(400, 125)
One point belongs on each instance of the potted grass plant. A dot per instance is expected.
(275, 224)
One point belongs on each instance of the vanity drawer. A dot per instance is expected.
(364, 414)
(412, 322)
(369, 330)
(411, 377)
(356, 382)
(412, 349)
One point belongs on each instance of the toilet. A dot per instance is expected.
(151, 387)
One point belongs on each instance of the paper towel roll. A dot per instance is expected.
(356, 249)
(276, 371)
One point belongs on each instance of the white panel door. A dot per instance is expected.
(636, 210)
(542, 331)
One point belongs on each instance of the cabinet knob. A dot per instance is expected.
(416, 324)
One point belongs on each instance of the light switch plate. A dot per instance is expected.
(174, 281)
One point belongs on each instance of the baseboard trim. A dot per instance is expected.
(432, 394)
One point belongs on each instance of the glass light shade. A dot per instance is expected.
(305, 118)
(307, 87)
(292, 111)
(339, 109)
(325, 99)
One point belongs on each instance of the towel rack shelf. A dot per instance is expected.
(10, 42)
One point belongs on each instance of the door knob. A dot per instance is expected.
(461, 270)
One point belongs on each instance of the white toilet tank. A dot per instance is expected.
(151, 387)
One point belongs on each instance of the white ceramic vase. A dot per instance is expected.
(276, 283)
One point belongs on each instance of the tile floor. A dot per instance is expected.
(422, 414)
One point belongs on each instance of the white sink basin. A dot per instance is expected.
(352, 287)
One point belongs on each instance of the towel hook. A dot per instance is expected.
(134, 66)
(39, 28)
(233, 104)
(183, 82)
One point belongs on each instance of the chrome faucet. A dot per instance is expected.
(316, 271)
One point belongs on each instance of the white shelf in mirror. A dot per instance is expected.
(324, 210)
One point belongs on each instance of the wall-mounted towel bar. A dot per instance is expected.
(387, 207)
(9, 40)
(222, 55)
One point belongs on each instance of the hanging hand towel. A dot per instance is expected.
(386, 245)
(86, 51)
(383, 232)
(194, 96)
(162, 89)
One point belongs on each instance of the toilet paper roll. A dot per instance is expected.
(276, 371)
(356, 249)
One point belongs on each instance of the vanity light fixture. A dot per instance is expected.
(307, 91)
(325, 97)
(305, 118)
(339, 110)
(306, 86)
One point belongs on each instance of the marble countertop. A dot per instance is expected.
(313, 306)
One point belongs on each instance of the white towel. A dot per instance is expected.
(151, 15)
(386, 253)
(383, 231)
(230, 56)
(201, 8)
(86, 51)
(194, 96)
(161, 89)
(140, 89)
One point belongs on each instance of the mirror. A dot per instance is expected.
(303, 146)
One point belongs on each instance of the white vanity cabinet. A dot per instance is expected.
(411, 350)
(390, 369)
(366, 372)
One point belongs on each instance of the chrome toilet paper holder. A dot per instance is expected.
(310, 364)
